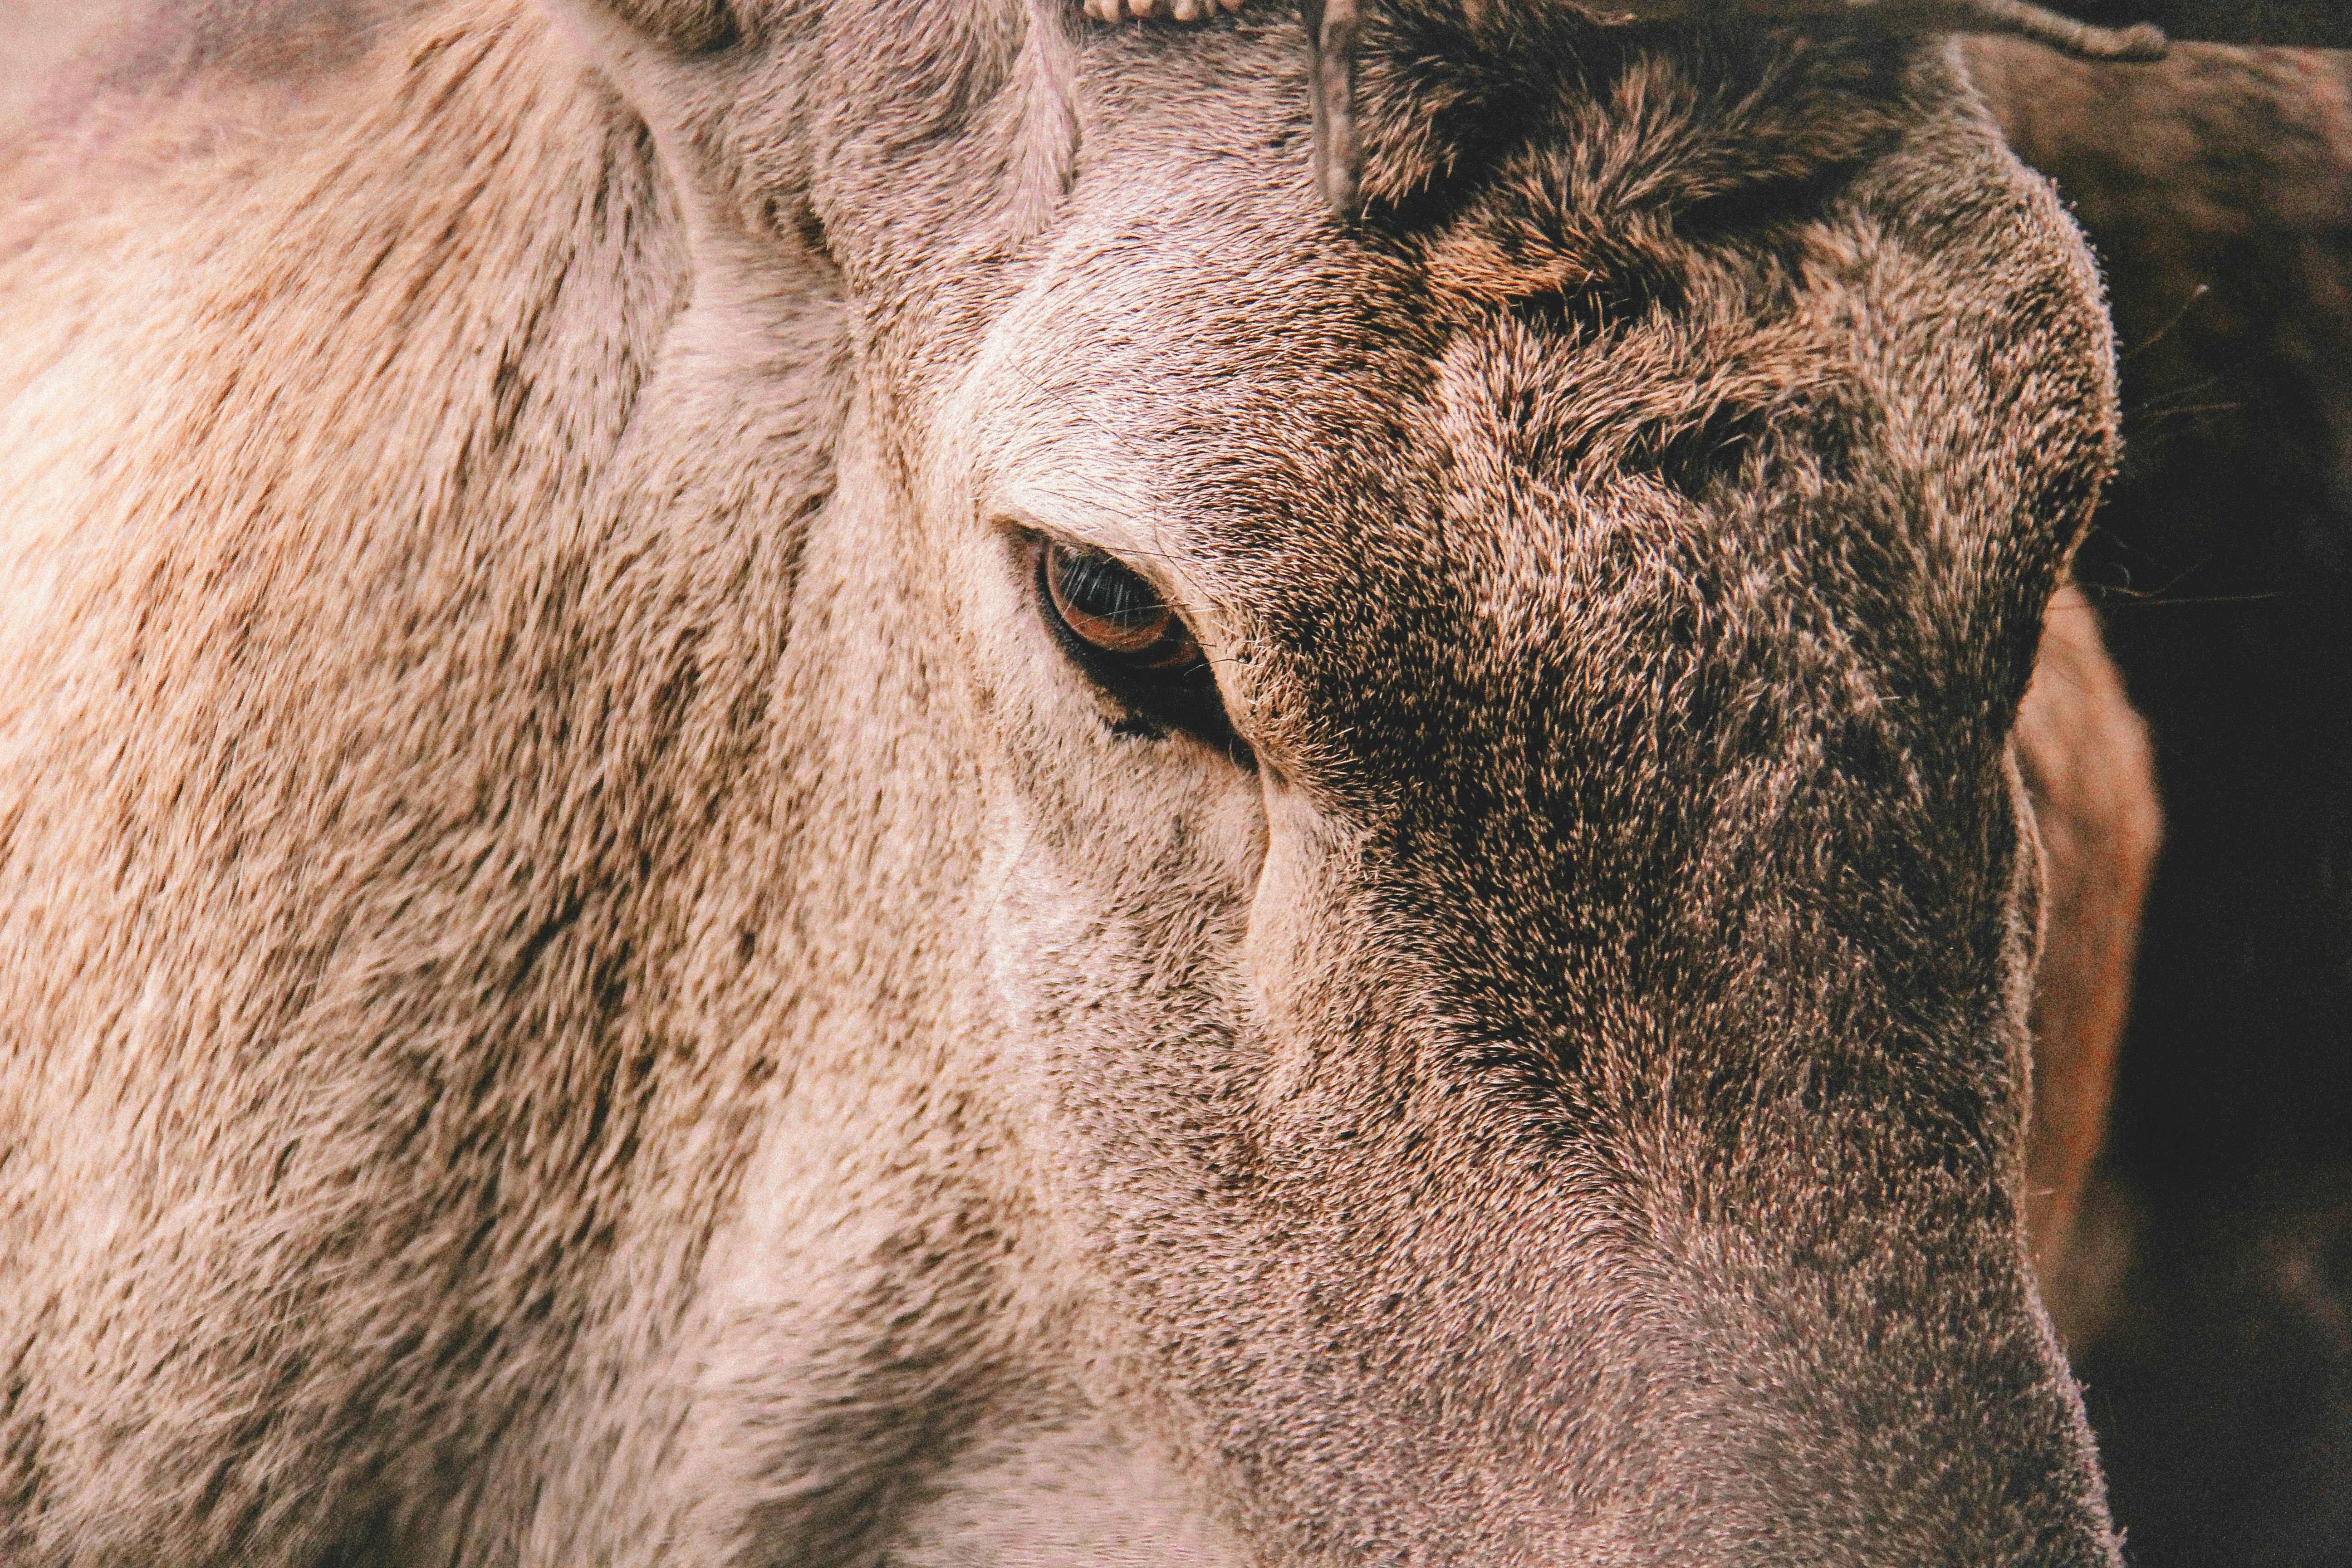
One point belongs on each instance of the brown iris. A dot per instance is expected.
(1114, 612)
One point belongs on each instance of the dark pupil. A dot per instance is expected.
(1099, 588)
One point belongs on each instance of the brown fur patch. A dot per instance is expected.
(1514, 187)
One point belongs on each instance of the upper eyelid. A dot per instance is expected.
(1033, 535)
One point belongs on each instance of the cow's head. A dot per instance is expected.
(1483, 901)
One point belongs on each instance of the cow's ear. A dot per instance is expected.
(723, 87)
(954, 118)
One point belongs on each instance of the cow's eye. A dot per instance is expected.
(1119, 629)
(1114, 612)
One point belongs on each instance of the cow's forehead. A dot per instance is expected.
(1330, 446)
(1840, 451)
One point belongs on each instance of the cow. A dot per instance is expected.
(809, 786)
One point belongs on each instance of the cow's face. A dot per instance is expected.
(1505, 911)
(1505, 894)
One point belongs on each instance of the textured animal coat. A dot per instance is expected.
(585, 976)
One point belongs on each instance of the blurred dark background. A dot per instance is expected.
(2309, 23)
